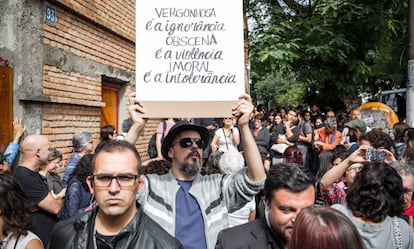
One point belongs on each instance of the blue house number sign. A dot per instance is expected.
(50, 15)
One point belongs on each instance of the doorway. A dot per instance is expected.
(6, 112)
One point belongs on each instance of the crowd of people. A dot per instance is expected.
(282, 179)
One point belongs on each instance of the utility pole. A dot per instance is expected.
(410, 83)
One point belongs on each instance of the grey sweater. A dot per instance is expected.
(217, 195)
(380, 235)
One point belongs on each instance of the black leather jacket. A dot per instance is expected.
(142, 232)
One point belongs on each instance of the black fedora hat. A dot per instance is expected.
(179, 127)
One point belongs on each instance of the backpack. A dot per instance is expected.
(152, 149)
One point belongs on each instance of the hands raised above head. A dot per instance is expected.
(18, 128)
(360, 156)
(243, 110)
(135, 109)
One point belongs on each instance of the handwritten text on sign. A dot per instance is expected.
(193, 47)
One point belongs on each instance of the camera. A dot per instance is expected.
(375, 155)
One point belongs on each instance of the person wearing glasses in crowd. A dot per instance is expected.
(193, 207)
(117, 221)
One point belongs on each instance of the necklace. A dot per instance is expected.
(229, 133)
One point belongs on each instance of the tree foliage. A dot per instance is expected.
(325, 50)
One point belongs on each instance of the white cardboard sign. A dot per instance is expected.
(189, 57)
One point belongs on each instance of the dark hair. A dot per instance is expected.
(115, 146)
(260, 117)
(324, 228)
(106, 131)
(83, 170)
(304, 112)
(410, 133)
(261, 108)
(325, 163)
(14, 206)
(159, 167)
(399, 129)
(54, 153)
(3, 157)
(410, 144)
(286, 176)
(378, 138)
(377, 192)
(340, 149)
(297, 111)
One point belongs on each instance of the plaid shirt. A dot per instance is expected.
(336, 194)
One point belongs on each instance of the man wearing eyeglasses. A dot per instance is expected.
(192, 207)
(117, 221)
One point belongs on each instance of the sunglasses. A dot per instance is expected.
(188, 142)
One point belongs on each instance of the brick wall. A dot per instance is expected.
(101, 31)
(116, 15)
(89, 40)
(61, 121)
(71, 87)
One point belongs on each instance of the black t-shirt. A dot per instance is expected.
(36, 190)
(108, 241)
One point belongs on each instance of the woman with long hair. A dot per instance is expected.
(15, 217)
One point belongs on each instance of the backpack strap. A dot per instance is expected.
(397, 233)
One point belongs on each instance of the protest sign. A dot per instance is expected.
(189, 57)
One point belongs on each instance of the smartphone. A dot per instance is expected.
(375, 155)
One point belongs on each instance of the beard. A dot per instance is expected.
(191, 169)
(278, 234)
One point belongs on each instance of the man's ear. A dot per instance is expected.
(90, 184)
(170, 152)
(141, 182)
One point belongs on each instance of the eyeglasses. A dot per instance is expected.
(357, 169)
(125, 180)
(188, 141)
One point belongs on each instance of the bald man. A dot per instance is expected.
(45, 205)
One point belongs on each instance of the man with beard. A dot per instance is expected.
(194, 207)
(117, 221)
(287, 191)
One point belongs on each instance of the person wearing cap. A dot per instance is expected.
(356, 128)
(193, 207)
(346, 137)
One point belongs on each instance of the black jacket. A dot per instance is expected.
(252, 235)
(142, 232)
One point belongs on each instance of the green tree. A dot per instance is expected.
(330, 49)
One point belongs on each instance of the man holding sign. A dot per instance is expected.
(192, 207)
